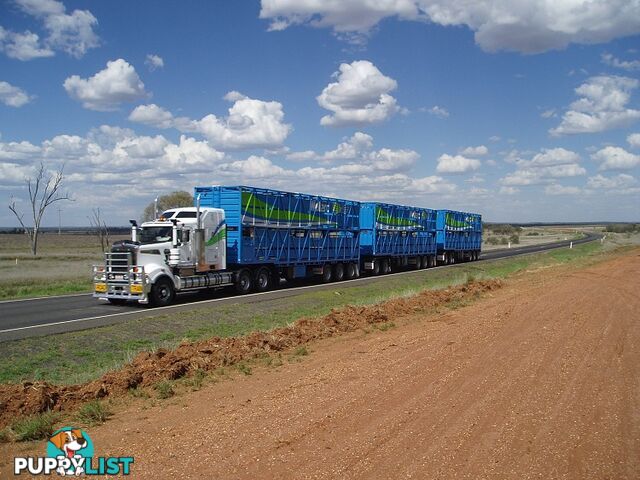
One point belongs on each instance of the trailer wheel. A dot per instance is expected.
(162, 293)
(263, 280)
(351, 271)
(386, 266)
(376, 267)
(327, 273)
(418, 264)
(338, 272)
(244, 283)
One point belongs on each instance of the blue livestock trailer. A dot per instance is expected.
(396, 236)
(459, 236)
(293, 235)
(250, 238)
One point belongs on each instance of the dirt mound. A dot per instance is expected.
(148, 368)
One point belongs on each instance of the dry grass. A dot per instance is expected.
(63, 264)
(536, 236)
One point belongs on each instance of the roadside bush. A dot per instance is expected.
(514, 239)
(165, 389)
(503, 229)
(532, 234)
(35, 427)
(492, 240)
(623, 228)
(94, 413)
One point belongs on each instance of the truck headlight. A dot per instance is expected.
(100, 287)
(136, 289)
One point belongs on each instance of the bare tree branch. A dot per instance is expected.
(101, 231)
(43, 191)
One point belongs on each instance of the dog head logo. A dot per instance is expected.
(69, 441)
(73, 444)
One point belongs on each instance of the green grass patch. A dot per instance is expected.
(301, 351)
(93, 413)
(196, 380)
(108, 348)
(383, 327)
(164, 389)
(244, 368)
(44, 288)
(35, 427)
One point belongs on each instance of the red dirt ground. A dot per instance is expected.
(149, 368)
(538, 379)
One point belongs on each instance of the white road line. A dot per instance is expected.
(293, 289)
(44, 298)
(213, 300)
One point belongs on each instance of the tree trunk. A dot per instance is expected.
(34, 242)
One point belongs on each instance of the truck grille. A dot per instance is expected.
(117, 262)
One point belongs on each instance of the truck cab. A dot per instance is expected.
(162, 256)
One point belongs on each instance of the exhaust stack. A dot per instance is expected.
(174, 252)
(199, 242)
(134, 230)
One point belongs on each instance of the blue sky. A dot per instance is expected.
(522, 111)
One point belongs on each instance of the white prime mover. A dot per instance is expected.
(184, 249)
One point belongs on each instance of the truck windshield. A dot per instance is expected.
(155, 234)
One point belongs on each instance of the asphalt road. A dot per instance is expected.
(50, 315)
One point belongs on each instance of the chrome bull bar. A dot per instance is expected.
(119, 279)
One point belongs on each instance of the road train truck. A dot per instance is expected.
(237, 236)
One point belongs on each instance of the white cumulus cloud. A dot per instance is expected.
(615, 158)
(116, 84)
(618, 182)
(543, 167)
(72, 33)
(516, 25)
(456, 164)
(153, 62)
(438, 111)
(23, 46)
(360, 96)
(602, 106)
(250, 123)
(628, 65)
(478, 151)
(357, 155)
(13, 96)
(634, 140)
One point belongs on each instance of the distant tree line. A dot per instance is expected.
(493, 240)
(623, 228)
(502, 228)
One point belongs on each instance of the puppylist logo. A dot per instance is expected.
(70, 452)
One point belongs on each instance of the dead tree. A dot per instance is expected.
(101, 231)
(44, 190)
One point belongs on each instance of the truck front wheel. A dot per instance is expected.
(162, 293)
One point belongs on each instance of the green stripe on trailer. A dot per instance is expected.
(260, 209)
(384, 217)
